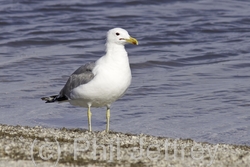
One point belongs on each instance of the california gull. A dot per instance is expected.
(100, 83)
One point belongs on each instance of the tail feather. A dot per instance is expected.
(54, 98)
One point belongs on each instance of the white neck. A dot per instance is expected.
(115, 49)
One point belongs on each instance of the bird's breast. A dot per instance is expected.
(109, 84)
(115, 80)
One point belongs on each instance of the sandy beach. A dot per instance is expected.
(37, 146)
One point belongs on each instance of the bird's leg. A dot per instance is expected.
(89, 118)
(107, 117)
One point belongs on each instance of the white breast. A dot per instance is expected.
(112, 78)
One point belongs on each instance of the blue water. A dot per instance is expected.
(191, 69)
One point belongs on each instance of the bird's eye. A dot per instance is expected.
(117, 33)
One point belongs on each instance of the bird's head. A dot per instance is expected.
(120, 36)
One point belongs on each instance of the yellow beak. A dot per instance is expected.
(132, 41)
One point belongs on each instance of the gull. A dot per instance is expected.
(100, 83)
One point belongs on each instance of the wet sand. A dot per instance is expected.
(37, 146)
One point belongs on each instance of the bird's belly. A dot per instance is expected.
(101, 91)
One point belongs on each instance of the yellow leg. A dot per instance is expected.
(89, 118)
(107, 117)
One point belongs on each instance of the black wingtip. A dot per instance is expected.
(52, 99)
(49, 99)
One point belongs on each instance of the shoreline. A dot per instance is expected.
(38, 146)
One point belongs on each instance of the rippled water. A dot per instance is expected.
(191, 70)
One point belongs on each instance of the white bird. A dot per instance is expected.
(100, 83)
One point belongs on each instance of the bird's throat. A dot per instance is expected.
(112, 49)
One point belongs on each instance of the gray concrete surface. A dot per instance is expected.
(37, 146)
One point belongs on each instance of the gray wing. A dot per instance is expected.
(81, 76)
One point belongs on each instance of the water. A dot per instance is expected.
(191, 69)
